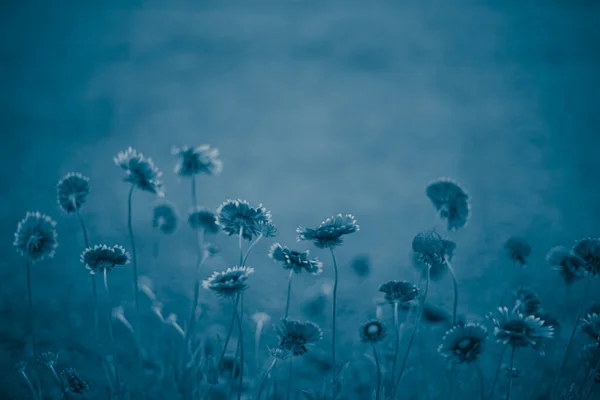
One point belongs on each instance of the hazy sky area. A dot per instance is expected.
(317, 107)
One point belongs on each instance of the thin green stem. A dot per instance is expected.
(497, 374)
(510, 375)
(481, 381)
(31, 311)
(378, 371)
(233, 317)
(335, 288)
(397, 344)
(29, 384)
(133, 258)
(240, 240)
(289, 291)
(245, 258)
(200, 262)
(264, 378)
(83, 229)
(111, 334)
(241, 344)
(455, 284)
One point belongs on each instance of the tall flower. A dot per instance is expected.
(297, 261)
(588, 250)
(401, 292)
(463, 343)
(238, 216)
(72, 191)
(451, 202)
(520, 331)
(296, 336)
(103, 258)
(200, 218)
(428, 247)
(329, 233)
(230, 282)
(197, 160)
(165, 217)
(570, 266)
(36, 237)
(139, 171)
(518, 249)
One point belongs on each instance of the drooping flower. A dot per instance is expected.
(372, 331)
(463, 343)
(329, 233)
(203, 218)
(99, 258)
(588, 250)
(72, 191)
(526, 301)
(590, 325)
(520, 331)
(197, 160)
(73, 382)
(428, 247)
(230, 282)
(235, 216)
(518, 249)
(139, 171)
(296, 336)
(401, 292)
(296, 260)
(36, 237)
(165, 217)
(569, 265)
(451, 201)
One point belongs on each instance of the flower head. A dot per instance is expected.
(139, 171)
(295, 336)
(520, 331)
(588, 250)
(439, 267)
(237, 216)
(428, 247)
(463, 343)
(401, 292)
(203, 218)
(228, 283)
(73, 382)
(72, 191)
(36, 237)
(48, 358)
(518, 250)
(590, 325)
(99, 258)
(20, 366)
(297, 261)
(526, 301)
(197, 160)
(569, 265)
(267, 229)
(165, 217)
(451, 201)
(372, 331)
(329, 234)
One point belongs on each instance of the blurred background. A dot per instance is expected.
(317, 107)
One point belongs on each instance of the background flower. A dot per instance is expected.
(139, 171)
(518, 250)
(372, 331)
(402, 292)
(72, 191)
(295, 336)
(451, 202)
(463, 343)
(36, 237)
(203, 218)
(570, 266)
(197, 160)
(588, 250)
(234, 216)
(99, 258)
(230, 282)
(429, 247)
(329, 234)
(165, 217)
(296, 260)
(520, 331)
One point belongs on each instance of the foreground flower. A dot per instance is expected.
(101, 258)
(520, 331)
(36, 237)
(569, 265)
(72, 191)
(237, 216)
(139, 171)
(204, 219)
(372, 331)
(73, 382)
(295, 336)
(451, 202)
(428, 247)
(297, 261)
(590, 325)
(197, 160)
(526, 301)
(165, 217)
(588, 250)
(331, 231)
(401, 292)
(463, 343)
(518, 250)
(228, 283)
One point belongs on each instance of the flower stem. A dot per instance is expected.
(257, 337)
(233, 317)
(240, 239)
(241, 344)
(335, 288)
(194, 197)
(29, 384)
(289, 388)
(264, 378)
(31, 312)
(111, 334)
(378, 371)
(133, 258)
(397, 344)
(58, 381)
(245, 258)
(289, 290)
(497, 374)
(481, 381)
(199, 263)
(510, 375)
(455, 284)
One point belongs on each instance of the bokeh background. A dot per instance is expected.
(317, 107)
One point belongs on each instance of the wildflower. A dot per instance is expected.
(549, 320)
(330, 232)
(401, 292)
(267, 229)
(237, 216)
(102, 258)
(463, 343)
(228, 283)
(20, 367)
(429, 248)
(203, 218)
(295, 336)
(518, 250)
(372, 331)
(197, 160)
(451, 202)
(439, 268)
(72, 191)
(570, 266)
(36, 237)
(590, 325)
(49, 359)
(211, 249)
(520, 331)
(279, 353)
(295, 260)
(588, 250)
(165, 217)
(526, 301)
(139, 171)
(361, 265)
(73, 382)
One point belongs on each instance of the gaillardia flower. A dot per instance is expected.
(295, 260)
(72, 191)
(372, 331)
(165, 217)
(139, 171)
(518, 250)
(73, 382)
(463, 343)
(295, 336)
(203, 218)
(590, 325)
(401, 292)
(520, 331)
(228, 283)
(237, 216)
(588, 250)
(451, 201)
(429, 248)
(36, 237)
(267, 229)
(439, 268)
(102, 258)
(569, 265)
(526, 301)
(329, 234)
(197, 160)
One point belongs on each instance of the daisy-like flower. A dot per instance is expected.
(428, 247)
(165, 217)
(519, 330)
(526, 301)
(73, 381)
(72, 191)
(235, 216)
(102, 258)
(267, 229)
(197, 160)
(228, 283)
(36, 237)
(329, 234)
(569, 265)
(439, 268)
(451, 201)
(296, 260)
(372, 331)
(295, 336)
(590, 325)
(139, 171)
(203, 218)
(588, 250)
(401, 292)
(549, 320)
(463, 343)
(518, 250)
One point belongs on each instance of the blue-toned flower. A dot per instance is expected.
(267, 229)
(329, 234)
(197, 160)
(372, 331)
(73, 382)
(428, 247)
(296, 336)
(518, 250)
(296, 260)
(526, 301)
(588, 250)
(72, 191)
(48, 358)
(279, 353)
(361, 265)
(36, 237)
(590, 325)
(139, 171)
(230, 282)
(237, 216)
(439, 268)
(165, 217)
(463, 343)
(520, 331)
(570, 266)
(451, 202)
(401, 292)
(102, 258)
(591, 355)
(203, 218)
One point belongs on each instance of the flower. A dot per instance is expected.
(72, 191)
(295, 336)
(228, 283)
(237, 216)
(520, 331)
(279, 353)
(463, 343)
(139, 171)
(197, 160)
(372, 331)
(203, 218)
(518, 250)
(549, 320)
(588, 250)
(590, 325)
(402, 292)
(591, 355)
(439, 268)
(429, 248)
(570, 266)
(295, 260)
(48, 358)
(102, 258)
(526, 301)
(165, 217)
(329, 234)
(73, 382)
(267, 229)
(361, 265)
(451, 201)
(36, 237)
